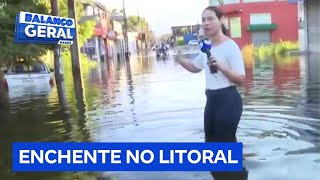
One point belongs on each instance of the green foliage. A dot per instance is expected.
(86, 29)
(141, 25)
(284, 46)
(179, 41)
(277, 48)
(266, 51)
(184, 30)
(138, 23)
(85, 63)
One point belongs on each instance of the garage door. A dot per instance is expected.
(313, 14)
(261, 37)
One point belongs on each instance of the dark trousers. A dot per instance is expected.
(221, 118)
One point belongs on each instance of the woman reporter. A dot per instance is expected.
(224, 107)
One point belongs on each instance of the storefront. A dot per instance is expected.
(309, 31)
(313, 25)
(259, 22)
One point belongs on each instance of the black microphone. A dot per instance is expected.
(205, 47)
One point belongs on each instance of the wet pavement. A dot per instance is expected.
(149, 100)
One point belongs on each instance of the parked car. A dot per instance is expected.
(193, 43)
(27, 77)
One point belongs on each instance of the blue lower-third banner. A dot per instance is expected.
(127, 156)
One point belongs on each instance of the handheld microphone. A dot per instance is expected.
(205, 47)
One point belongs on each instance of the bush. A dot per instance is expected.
(248, 53)
(284, 46)
(179, 41)
(265, 51)
(66, 60)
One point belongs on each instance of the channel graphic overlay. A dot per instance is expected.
(33, 28)
(127, 157)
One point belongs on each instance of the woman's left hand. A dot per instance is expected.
(216, 64)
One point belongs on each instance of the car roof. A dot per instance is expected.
(29, 64)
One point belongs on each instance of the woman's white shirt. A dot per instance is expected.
(229, 55)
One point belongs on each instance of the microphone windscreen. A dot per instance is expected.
(205, 46)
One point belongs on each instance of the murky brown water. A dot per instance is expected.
(150, 100)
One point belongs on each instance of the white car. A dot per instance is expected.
(28, 77)
(193, 43)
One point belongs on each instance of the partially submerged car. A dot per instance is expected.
(27, 76)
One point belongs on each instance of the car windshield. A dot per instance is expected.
(28, 67)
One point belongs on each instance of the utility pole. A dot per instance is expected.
(59, 75)
(58, 72)
(76, 70)
(75, 56)
(127, 53)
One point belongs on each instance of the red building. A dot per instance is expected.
(260, 21)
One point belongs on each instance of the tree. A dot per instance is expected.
(85, 29)
(152, 36)
(10, 51)
(184, 30)
(139, 23)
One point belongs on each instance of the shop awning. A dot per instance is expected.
(262, 27)
(100, 31)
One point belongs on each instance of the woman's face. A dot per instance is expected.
(211, 24)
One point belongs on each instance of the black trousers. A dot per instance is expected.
(221, 118)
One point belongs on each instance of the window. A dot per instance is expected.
(37, 67)
(230, 1)
(28, 67)
(235, 27)
(214, 3)
(20, 68)
(89, 11)
(217, 2)
(249, 1)
(262, 18)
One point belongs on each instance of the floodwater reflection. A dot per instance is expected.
(147, 100)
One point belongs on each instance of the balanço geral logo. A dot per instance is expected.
(32, 28)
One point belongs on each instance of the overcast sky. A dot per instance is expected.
(162, 14)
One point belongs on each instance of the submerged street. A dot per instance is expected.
(150, 100)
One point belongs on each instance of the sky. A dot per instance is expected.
(162, 14)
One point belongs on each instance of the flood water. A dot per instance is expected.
(158, 101)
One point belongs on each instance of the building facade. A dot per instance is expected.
(309, 13)
(118, 28)
(260, 21)
(107, 40)
(95, 47)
